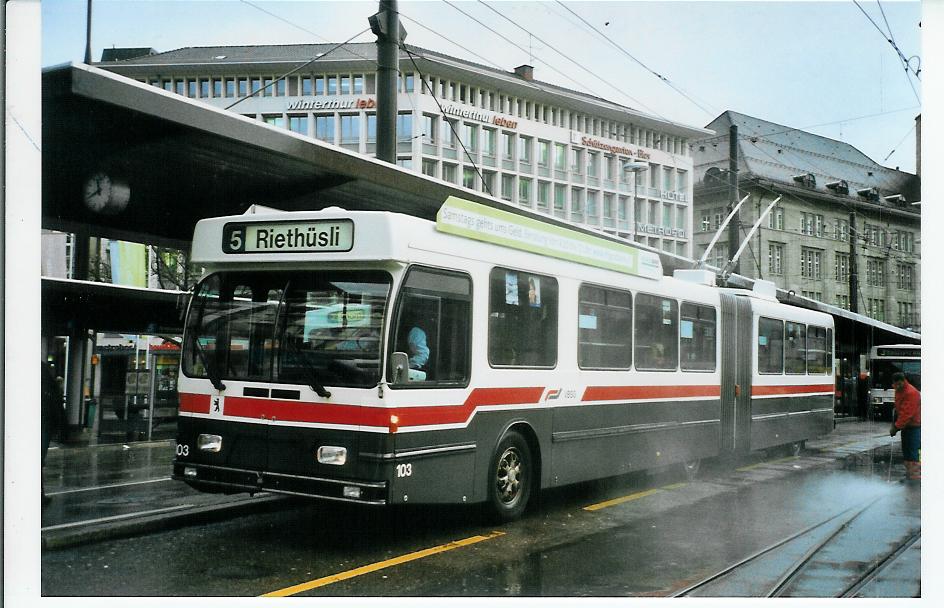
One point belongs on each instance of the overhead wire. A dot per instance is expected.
(448, 122)
(662, 78)
(578, 64)
(901, 56)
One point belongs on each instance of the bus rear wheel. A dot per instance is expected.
(510, 478)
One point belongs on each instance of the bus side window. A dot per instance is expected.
(656, 332)
(522, 319)
(434, 326)
(795, 348)
(697, 337)
(769, 346)
(819, 359)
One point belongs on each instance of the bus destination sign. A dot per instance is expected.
(314, 236)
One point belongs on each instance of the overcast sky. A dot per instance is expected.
(822, 66)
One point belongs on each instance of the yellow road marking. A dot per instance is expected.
(341, 576)
(766, 462)
(620, 500)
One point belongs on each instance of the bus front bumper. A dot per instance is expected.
(211, 478)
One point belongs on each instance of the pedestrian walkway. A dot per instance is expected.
(115, 490)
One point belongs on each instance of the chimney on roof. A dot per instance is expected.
(525, 72)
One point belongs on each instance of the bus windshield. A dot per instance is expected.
(883, 369)
(295, 327)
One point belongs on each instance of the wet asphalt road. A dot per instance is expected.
(660, 535)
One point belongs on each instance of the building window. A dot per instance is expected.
(507, 187)
(357, 83)
(906, 277)
(560, 157)
(267, 89)
(319, 85)
(243, 85)
(204, 88)
(468, 178)
(775, 258)
(842, 230)
(276, 120)
(524, 149)
(903, 241)
(522, 320)
(560, 197)
(681, 180)
(470, 136)
(811, 224)
(876, 308)
(544, 153)
(332, 85)
(306, 85)
(217, 87)
(593, 164)
(350, 128)
(592, 200)
(371, 128)
(813, 295)
(842, 301)
(345, 88)
(576, 161)
(449, 173)
(706, 221)
(405, 127)
(448, 133)
(775, 218)
(811, 263)
(508, 145)
(875, 272)
(429, 167)
(524, 191)
(544, 194)
(842, 267)
(906, 316)
(298, 124)
(488, 142)
(429, 129)
(324, 128)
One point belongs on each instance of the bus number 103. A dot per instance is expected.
(404, 470)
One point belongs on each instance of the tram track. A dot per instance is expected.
(775, 571)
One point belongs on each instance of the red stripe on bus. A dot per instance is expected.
(614, 393)
(329, 413)
(791, 390)
(196, 404)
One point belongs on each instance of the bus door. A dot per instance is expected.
(736, 359)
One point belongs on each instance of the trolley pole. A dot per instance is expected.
(386, 26)
(734, 228)
(853, 265)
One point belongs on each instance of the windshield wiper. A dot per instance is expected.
(210, 369)
(312, 372)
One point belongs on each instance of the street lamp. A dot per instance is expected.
(635, 167)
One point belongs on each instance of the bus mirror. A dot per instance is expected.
(400, 364)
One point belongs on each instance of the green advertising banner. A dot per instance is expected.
(482, 223)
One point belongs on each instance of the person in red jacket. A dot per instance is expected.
(908, 421)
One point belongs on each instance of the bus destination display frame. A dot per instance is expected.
(289, 236)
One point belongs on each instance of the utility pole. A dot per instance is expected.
(88, 34)
(853, 266)
(386, 26)
(734, 228)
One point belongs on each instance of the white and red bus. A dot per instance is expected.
(379, 358)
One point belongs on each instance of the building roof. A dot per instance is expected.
(292, 55)
(779, 153)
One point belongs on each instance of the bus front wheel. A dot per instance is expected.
(510, 478)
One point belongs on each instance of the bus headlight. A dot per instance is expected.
(209, 443)
(332, 454)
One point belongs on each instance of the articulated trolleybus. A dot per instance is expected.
(379, 358)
